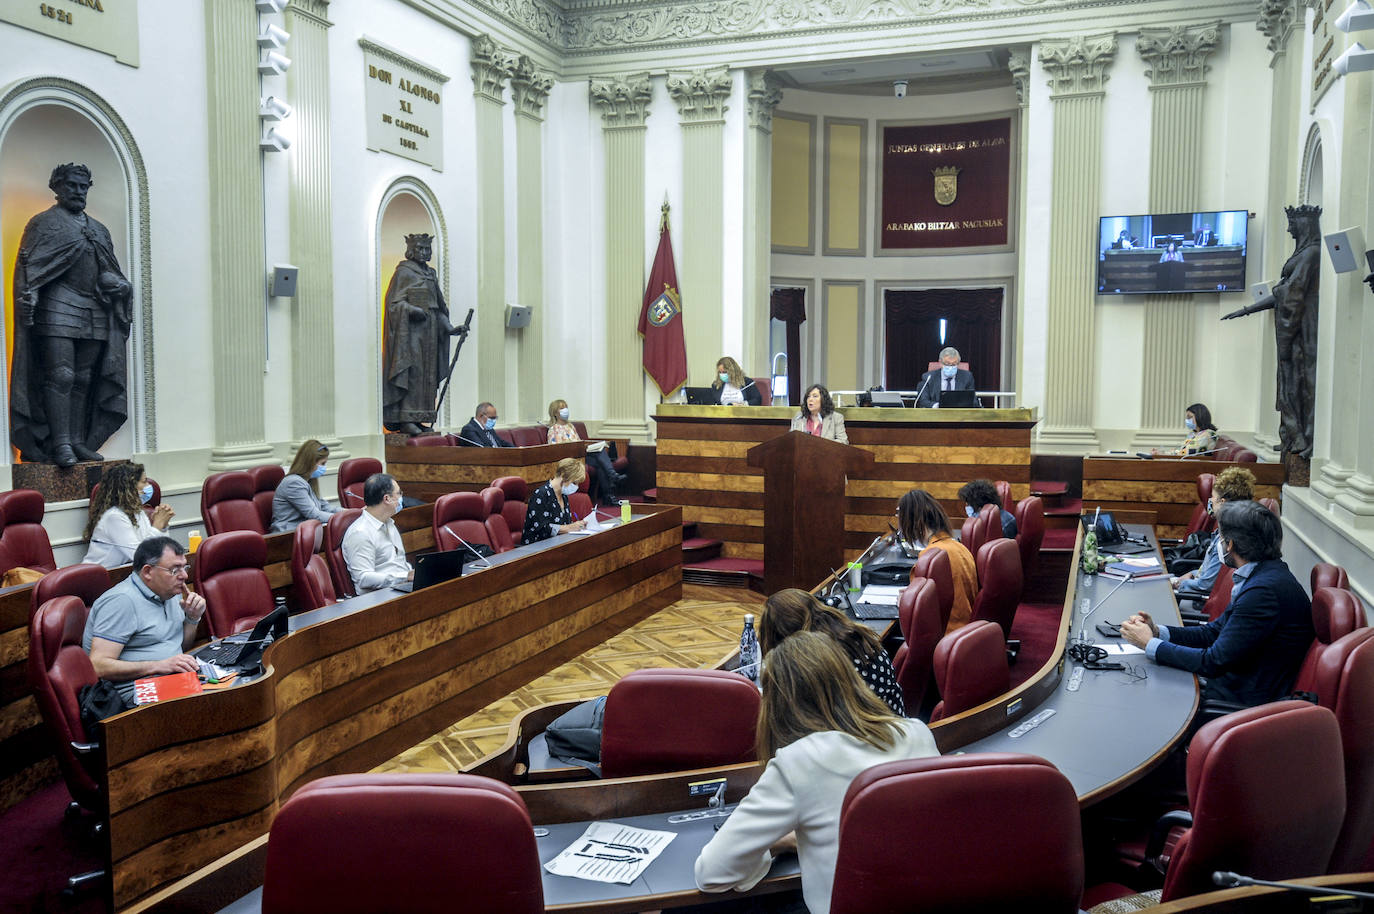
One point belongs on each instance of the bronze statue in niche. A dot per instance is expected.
(415, 359)
(68, 381)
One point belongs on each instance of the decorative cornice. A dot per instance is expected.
(1178, 55)
(492, 65)
(765, 92)
(624, 100)
(1278, 19)
(401, 60)
(313, 11)
(700, 94)
(1019, 64)
(1078, 65)
(541, 19)
(529, 88)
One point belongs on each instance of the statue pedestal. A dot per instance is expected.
(61, 483)
(396, 439)
(1299, 470)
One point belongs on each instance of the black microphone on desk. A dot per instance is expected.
(1229, 880)
(486, 562)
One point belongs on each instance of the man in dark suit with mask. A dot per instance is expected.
(481, 429)
(949, 376)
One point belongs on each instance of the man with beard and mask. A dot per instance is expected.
(1251, 653)
(72, 317)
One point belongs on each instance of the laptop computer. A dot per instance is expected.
(887, 398)
(702, 396)
(958, 399)
(236, 653)
(434, 568)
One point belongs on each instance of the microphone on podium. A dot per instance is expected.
(923, 389)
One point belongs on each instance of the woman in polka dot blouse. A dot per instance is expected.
(547, 513)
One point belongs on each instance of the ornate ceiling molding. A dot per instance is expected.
(624, 100)
(1178, 55)
(1019, 64)
(765, 92)
(529, 87)
(700, 94)
(1078, 65)
(492, 65)
(1278, 19)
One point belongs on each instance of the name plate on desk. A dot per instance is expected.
(403, 105)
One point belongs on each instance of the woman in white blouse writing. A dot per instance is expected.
(118, 522)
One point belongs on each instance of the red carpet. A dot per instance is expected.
(40, 851)
(1037, 627)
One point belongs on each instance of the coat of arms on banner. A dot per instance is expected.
(664, 308)
(946, 184)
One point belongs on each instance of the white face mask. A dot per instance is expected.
(570, 488)
(564, 413)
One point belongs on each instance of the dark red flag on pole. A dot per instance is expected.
(660, 319)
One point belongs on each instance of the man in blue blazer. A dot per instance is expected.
(1251, 653)
(949, 376)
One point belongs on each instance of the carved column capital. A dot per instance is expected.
(492, 65)
(624, 100)
(529, 87)
(1019, 64)
(1278, 20)
(700, 94)
(765, 92)
(1078, 65)
(313, 11)
(1177, 55)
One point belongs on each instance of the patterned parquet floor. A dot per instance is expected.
(697, 631)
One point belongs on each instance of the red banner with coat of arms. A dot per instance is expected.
(660, 318)
(946, 185)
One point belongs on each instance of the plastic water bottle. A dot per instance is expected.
(749, 650)
(1090, 560)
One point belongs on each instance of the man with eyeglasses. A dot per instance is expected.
(143, 625)
(481, 429)
(372, 546)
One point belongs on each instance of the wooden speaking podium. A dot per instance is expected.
(803, 506)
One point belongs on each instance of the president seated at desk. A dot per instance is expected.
(948, 377)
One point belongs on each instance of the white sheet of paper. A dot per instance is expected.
(610, 852)
(881, 594)
(1121, 648)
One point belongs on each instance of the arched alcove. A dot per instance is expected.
(1310, 183)
(46, 122)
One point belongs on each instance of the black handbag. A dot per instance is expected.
(99, 700)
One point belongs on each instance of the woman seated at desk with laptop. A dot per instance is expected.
(732, 387)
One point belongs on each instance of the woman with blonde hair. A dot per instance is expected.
(819, 727)
(562, 431)
(118, 522)
(732, 387)
(547, 512)
(297, 497)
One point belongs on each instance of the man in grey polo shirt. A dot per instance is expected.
(143, 625)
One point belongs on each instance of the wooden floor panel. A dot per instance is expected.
(697, 632)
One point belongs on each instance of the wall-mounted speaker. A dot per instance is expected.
(518, 316)
(283, 281)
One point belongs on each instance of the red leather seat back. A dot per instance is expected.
(57, 669)
(934, 564)
(1030, 533)
(919, 616)
(580, 503)
(936, 366)
(1266, 786)
(493, 500)
(529, 435)
(419, 843)
(970, 668)
(999, 576)
(23, 537)
(428, 441)
(1201, 521)
(674, 720)
(1326, 575)
(1335, 614)
(1017, 812)
(498, 534)
(309, 572)
(353, 472)
(765, 390)
(516, 491)
(334, 531)
(1272, 504)
(459, 514)
(1245, 455)
(1004, 493)
(86, 582)
(226, 503)
(505, 435)
(1220, 597)
(1344, 682)
(266, 478)
(984, 526)
(229, 576)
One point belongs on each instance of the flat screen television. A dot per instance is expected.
(1172, 252)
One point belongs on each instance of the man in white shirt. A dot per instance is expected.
(372, 546)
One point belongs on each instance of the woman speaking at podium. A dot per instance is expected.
(818, 416)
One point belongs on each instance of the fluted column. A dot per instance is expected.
(1077, 68)
(700, 96)
(312, 246)
(1020, 65)
(624, 104)
(763, 93)
(1177, 61)
(238, 292)
(492, 66)
(529, 91)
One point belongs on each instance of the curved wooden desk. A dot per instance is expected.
(430, 471)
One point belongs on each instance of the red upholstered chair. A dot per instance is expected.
(1335, 614)
(505, 435)
(1326, 575)
(1245, 455)
(353, 472)
(580, 503)
(1272, 504)
(493, 500)
(673, 720)
(23, 539)
(934, 564)
(970, 668)
(765, 390)
(419, 843)
(266, 478)
(58, 668)
(86, 582)
(517, 492)
(1018, 810)
(1030, 533)
(984, 526)
(229, 576)
(428, 441)
(935, 366)
(1250, 813)
(1201, 521)
(1220, 597)
(498, 533)
(309, 572)
(334, 531)
(919, 617)
(226, 503)
(529, 435)
(459, 514)
(999, 590)
(1004, 494)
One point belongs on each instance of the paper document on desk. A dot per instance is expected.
(1121, 648)
(610, 852)
(881, 594)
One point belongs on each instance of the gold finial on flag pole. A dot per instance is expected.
(663, 210)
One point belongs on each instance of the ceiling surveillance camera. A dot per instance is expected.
(899, 88)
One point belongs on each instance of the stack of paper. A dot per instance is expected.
(1140, 567)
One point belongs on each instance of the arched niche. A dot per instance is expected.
(408, 207)
(1310, 185)
(45, 122)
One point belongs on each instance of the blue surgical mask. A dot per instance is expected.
(968, 509)
(724, 377)
(317, 473)
(949, 370)
(489, 424)
(145, 494)
(564, 413)
(1192, 425)
(570, 488)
